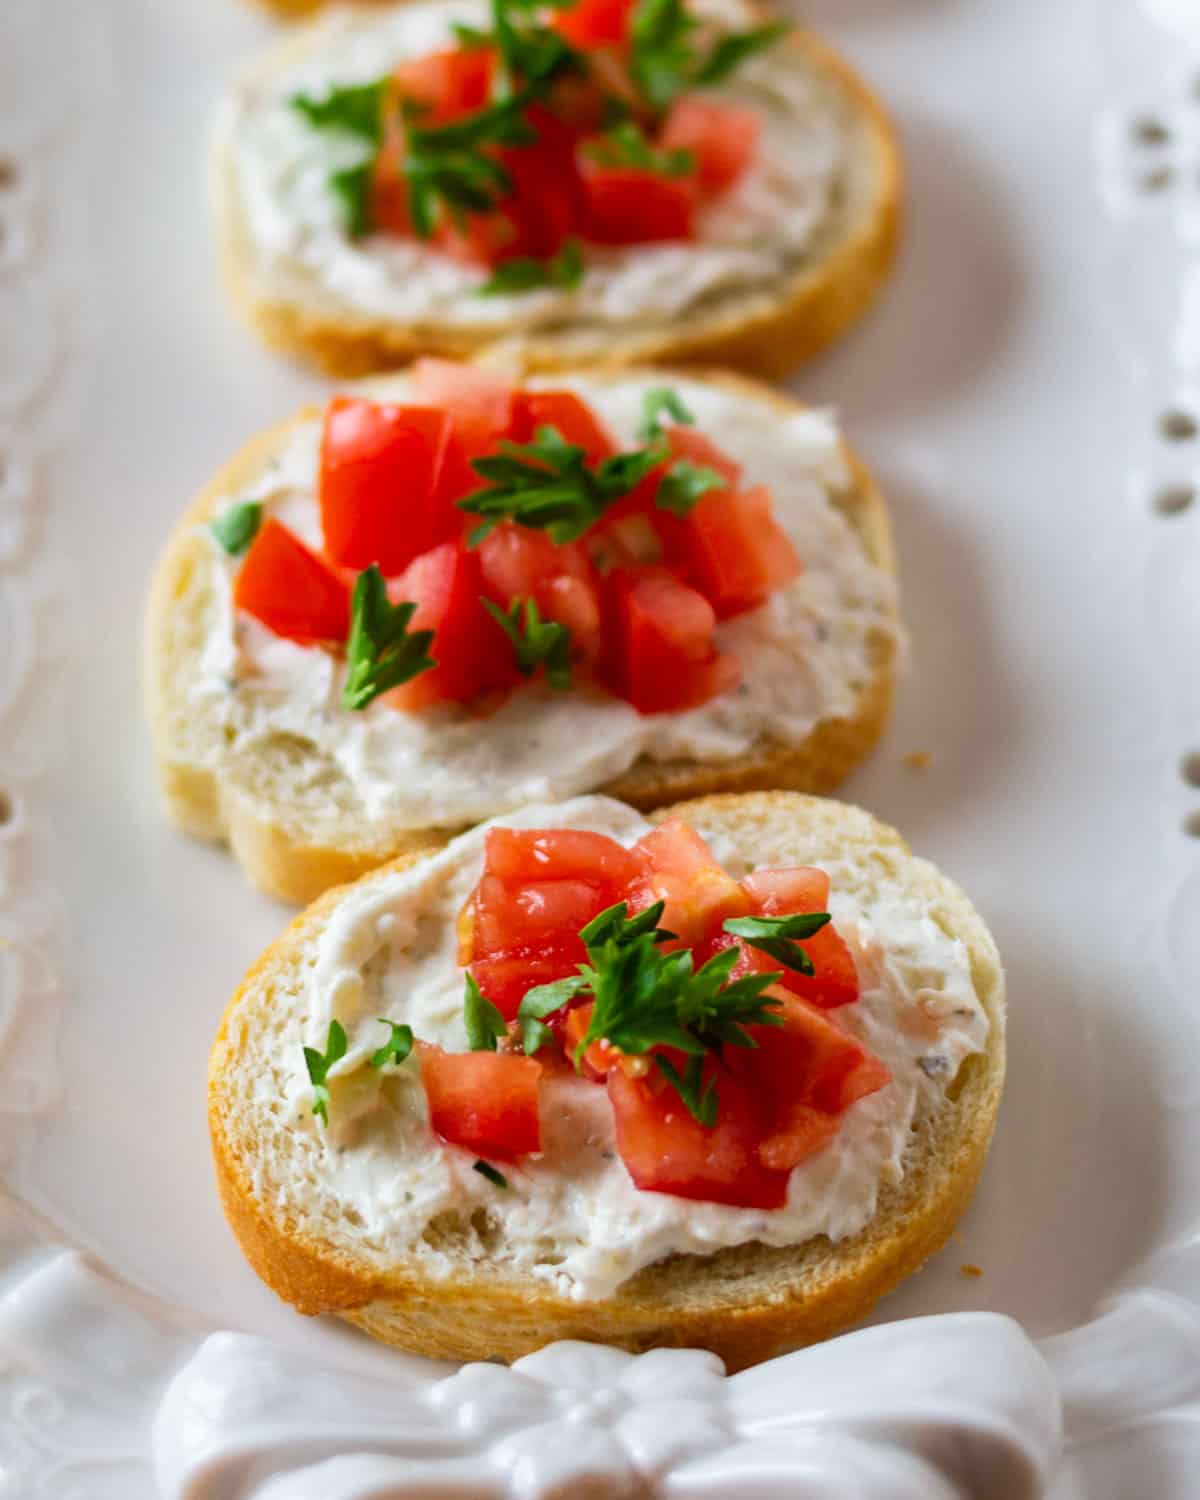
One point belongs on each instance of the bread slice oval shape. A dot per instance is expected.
(781, 265)
(309, 795)
(343, 1220)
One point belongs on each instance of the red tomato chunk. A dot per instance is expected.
(450, 84)
(517, 854)
(676, 866)
(629, 206)
(666, 1151)
(291, 590)
(484, 1101)
(722, 137)
(781, 892)
(381, 470)
(480, 404)
(595, 23)
(659, 651)
(473, 654)
(573, 418)
(540, 887)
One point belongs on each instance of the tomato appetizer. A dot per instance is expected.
(482, 535)
(705, 1007)
(557, 128)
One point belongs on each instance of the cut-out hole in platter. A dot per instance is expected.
(1149, 131)
(1178, 426)
(8, 809)
(1157, 181)
(1189, 768)
(8, 174)
(1173, 499)
(1191, 825)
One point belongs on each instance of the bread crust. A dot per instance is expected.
(286, 859)
(746, 1303)
(766, 335)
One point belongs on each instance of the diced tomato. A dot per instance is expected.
(472, 652)
(480, 403)
(678, 867)
(544, 208)
(548, 199)
(807, 1065)
(537, 854)
(734, 552)
(533, 914)
(381, 472)
(517, 932)
(780, 892)
(630, 206)
(389, 186)
(505, 977)
(667, 531)
(480, 239)
(783, 890)
(595, 23)
(563, 410)
(687, 443)
(666, 1151)
(722, 137)
(520, 563)
(800, 1131)
(659, 650)
(290, 589)
(484, 1101)
(450, 84)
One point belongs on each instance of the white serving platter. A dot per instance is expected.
(1028, 392)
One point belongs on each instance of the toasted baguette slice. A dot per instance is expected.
(288, 812)
(746, 1303)
(766, 329)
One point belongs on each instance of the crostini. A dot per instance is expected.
(721, 1080)
(445, 596)
(629, 180)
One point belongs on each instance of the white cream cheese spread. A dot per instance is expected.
(804, 655)
(572, 1216)
(760, 230)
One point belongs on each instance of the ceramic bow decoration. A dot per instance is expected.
(958, 1406)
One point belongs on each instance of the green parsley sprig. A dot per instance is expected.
(625, 145)
(531, 53)
(319, 1064)
(684, 485)
(547, 485)
(661, 400)
(355, 111)
(665, 61)
(524, 274)
(644, 998)
(780, 937)
(449, 168)
(536, 642)
(484, 1023)
(398, 1046)
(382, 652)
(540, 1002)
(729, 52)
(235, 528)
(701, 1103)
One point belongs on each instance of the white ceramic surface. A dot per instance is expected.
(1011, 392)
